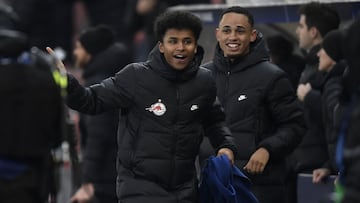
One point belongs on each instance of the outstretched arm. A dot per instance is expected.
(111, 93)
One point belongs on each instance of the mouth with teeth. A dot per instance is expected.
(233, 46)
(180, 58)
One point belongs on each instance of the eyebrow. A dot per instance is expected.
(228, 26)
(185, 38)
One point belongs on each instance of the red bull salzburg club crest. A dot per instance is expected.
(158, 108)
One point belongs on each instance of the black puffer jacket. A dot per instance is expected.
(261, 108)
(330, 97)
(312, 152)
(165, 114)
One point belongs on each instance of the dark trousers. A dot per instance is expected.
(269, 193)
(104, 198)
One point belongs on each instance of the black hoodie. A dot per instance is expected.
(260, 106)
(165, 114)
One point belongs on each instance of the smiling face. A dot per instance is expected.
(235, 34)
(179, 47)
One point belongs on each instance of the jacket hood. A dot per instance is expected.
(104, 62)
(157, 62)
(258, 53)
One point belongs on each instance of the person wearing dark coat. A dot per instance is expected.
(31, 118)
(99, 56)
(331, 62)
(261, 108)
(316, 19)
(348, 158)
(168, 104)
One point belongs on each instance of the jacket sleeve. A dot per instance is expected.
(216, 130)
(330, 97)
(112, 93)
(287, 119)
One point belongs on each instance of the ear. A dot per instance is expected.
(253, 35)
(161, 47)
(217, 35)
(314, 32)
(195, 50)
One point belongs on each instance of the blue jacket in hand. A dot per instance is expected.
(223, 182)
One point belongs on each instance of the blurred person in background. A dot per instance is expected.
(282, 54)
(332, 64)
(99, 56)
(316, 20)
(31, 118)
(348, 148)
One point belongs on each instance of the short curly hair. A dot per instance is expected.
(180, 20)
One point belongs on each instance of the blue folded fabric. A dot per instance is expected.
(222, 182)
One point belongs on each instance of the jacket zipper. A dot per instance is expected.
(175, 134)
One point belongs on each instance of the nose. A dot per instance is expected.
(232, 35)
(180, 46)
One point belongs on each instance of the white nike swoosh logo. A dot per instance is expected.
(194, 107)
(242, 97)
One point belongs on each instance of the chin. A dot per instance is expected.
(233, 55)
(179, 68)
